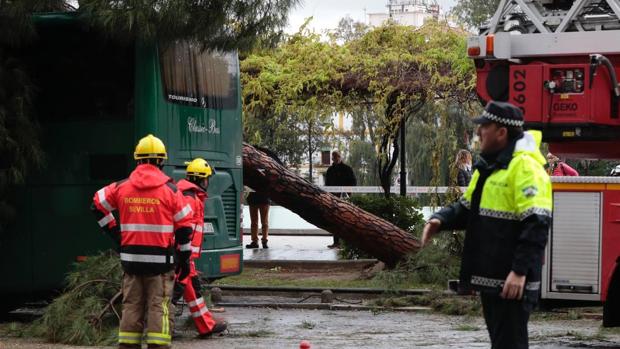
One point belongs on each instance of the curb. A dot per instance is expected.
(292, 232)
(323, 306)
(341, 290)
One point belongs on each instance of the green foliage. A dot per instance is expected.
(401, 211)
(348, 30)
(593, 167)
(361, 158)
(473, 13)
(433, 265)
(218, 24)
(20, 151)
(438, 301)
(433, 139)
(381, 77)
(86, 313)
(236, 24)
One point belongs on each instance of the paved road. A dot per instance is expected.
(281, 329)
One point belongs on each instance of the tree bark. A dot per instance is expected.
(370, 233)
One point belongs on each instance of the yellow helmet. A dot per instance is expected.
(199, 167)
(150, 147)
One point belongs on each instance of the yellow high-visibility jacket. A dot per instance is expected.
(506, 211)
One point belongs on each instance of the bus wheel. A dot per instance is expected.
(611, 307)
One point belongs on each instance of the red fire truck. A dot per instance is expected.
(559, 62)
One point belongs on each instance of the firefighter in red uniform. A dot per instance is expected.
(194, 191)
(154, 234)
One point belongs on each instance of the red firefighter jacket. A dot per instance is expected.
(195, 197)
(153, 218)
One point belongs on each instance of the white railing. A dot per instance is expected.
(394, 189)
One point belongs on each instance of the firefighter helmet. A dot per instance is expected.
(199, 168)
(150, 147)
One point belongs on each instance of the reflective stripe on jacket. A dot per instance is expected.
(153, 216)
(506, 211)
(195, 197)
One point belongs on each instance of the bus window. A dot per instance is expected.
(80, 74)
(206, 79)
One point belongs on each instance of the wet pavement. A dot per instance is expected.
(265, 328)
(293, 248)
(280, 329)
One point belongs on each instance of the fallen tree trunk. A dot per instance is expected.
(368, 232)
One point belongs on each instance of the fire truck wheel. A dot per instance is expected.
(611, 307)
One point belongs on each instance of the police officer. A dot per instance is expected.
(155, 221)
(194, 189)
(506, 211)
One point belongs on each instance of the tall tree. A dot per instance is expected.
(348, 30)
(20, 151)
(222, 24)
(435, 136)
(389, 73)
(474, 13)
(292, 80)
(363, 230)
(236, 24)
(401, 69)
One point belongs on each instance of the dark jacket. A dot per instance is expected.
(259, 199)
(499, 240)
(340, 175)
(463, 177)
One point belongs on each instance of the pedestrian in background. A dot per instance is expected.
(506, 213)
(153, 234)
(559, 168)
(463, 165)
(339, 174)
(259, 207)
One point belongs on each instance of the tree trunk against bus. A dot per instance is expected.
(370, 233)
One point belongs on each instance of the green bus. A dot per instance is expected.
(95, 98)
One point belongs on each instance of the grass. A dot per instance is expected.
(585, 337)
(252, 334)
(448, 305)
(323, 279)
(466, 327)
(309, 325)
(565, 314)
(13, 330)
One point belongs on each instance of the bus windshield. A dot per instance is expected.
(200, 78)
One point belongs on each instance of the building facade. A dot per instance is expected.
(406, 12)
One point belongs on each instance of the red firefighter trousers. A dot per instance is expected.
(193, 296)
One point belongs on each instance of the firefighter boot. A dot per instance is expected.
(220, 326)
(158, 346)
(129, 346)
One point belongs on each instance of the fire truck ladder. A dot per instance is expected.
(549, 16)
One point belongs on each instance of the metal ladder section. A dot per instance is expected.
(544, 16)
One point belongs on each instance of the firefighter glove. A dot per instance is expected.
(183, 264)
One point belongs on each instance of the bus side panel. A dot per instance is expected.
(191, 131)
(17, 247)
(81, 157)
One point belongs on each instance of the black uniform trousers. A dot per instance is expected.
(506, 320)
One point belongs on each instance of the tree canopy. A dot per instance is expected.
(474, 13)
(219, 24)
(390, 71)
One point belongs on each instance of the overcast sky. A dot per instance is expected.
(327, 13)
